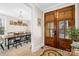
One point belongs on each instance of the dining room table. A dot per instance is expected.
(9, 38)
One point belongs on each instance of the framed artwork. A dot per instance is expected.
(39, 22)
(18, 23)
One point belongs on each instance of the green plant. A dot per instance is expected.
(73, 34)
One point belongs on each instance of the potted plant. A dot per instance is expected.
(74, 36)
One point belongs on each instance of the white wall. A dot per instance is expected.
(37, 34)
(16, 28)
(77, 15)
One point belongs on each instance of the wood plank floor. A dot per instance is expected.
(25, 50)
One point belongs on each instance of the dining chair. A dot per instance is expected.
(24, 39)
(29, 37)
(17, 42)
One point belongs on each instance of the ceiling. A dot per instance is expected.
(15, 10)
(45, 6)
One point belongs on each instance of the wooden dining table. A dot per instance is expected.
(9, 38)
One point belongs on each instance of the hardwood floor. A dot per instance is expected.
(19, 51)
(26, 51)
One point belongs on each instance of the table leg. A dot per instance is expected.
(8, 44)
(5, 43)
(2, 47)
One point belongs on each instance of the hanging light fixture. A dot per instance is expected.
(20, 15)
(21, 18)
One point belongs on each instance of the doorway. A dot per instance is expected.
(56, 25)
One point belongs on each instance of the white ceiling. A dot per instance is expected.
(14, 9)
(45, 6)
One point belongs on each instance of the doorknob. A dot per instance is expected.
(54, 32)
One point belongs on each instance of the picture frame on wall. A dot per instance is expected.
(18, 23)
(39, 22)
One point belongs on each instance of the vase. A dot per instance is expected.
(75, 44)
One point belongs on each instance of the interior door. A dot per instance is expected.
(65, 22)
(50, 30)
(56, 25)
(63, 38)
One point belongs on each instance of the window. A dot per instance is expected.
(1, 27)
(50, 29)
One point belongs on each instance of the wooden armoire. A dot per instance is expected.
(56, 24)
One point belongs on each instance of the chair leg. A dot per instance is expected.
(15, 45)
(20, 43)
(2, 46)
(26, 41)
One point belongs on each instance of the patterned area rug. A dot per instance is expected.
(50, 52)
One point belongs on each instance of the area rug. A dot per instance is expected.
(50, 52)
